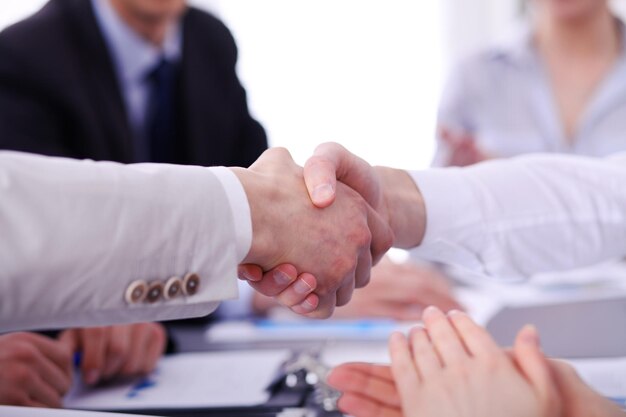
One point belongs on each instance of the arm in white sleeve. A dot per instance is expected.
(516, 217)
(75, 234)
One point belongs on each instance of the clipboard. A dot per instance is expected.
(293, 385)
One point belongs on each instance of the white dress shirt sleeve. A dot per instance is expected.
(75, 234)
(513, 218)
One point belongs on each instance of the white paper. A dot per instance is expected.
(192, 380)
(8, 411)
(607, 376)
(337, 353)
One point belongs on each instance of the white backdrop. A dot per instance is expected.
(365, 73)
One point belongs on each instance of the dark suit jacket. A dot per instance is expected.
(59, 93)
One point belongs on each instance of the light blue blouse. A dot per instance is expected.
(504, 98)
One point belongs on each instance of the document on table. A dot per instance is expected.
(605, 375)
(8, 411)
(192, 380)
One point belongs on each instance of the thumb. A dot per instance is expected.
(332, 162)
(534, 365)
(250, 272)
(69, 338)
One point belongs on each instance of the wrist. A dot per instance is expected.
(404, 205)
(262, 198)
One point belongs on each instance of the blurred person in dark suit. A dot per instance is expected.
(126, 81)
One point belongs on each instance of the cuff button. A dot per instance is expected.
(173, 288)
(191, 284)
(155, 292)
(136, 292)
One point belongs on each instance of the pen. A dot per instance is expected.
(78, 358)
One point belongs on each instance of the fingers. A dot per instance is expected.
(40, 391)
(344, 293)
(373, 382)
(308, 306)
(276, 281)
(297, 292)
(363, 271)
(117, 349)
(531, 359)
(357, 406)
(147, 344)
(59, 355)
(139, 342)
(403, 367)
(446, 341)
(288, 288)
(33, 370)
(45, 376)
(51, 382)
(426, 360)
(94, 348)
(249, 272)
(157, 342)
(381, 235)
(376, 371)
(325, 306)
(369, 390)
(331, 162)
(475, 338)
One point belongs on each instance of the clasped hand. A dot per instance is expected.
(334, 241)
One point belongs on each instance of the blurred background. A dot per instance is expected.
(365, 73)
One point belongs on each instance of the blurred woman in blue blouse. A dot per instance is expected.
(560, 86)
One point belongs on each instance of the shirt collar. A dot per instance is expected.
(133, 56)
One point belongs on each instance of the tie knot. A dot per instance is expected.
(162, 71)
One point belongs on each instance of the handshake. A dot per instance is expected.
(318, 230)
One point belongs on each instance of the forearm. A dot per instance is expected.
(513, 218)
(76, 234)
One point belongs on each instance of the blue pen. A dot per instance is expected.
(78, 358)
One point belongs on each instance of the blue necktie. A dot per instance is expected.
(160, 122)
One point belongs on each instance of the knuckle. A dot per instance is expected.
(158, 333)
(116, 347)
(22, 376)
(344, 266)
(364, 237)
(65, 354)
(17, 336)
(25, 352)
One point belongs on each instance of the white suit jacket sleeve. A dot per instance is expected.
(74, 235)
(512, 218)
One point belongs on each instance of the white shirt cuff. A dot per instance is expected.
(449, 200)
(240, 208)
(451, 217)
